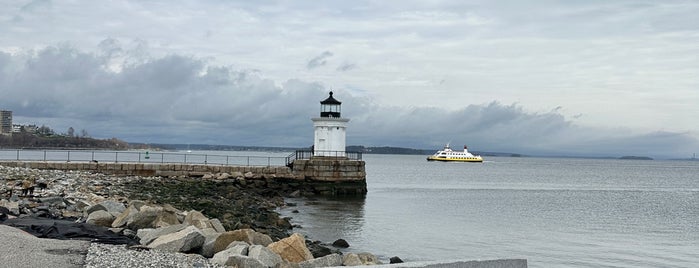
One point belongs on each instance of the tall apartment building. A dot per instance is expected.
(5, 122)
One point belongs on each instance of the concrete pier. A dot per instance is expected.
(322, 176)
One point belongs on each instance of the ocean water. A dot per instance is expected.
(554, 212)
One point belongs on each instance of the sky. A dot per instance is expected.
(577, 78)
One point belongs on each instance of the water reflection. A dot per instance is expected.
(327, 219)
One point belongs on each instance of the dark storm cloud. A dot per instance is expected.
(319, 60)
(183, 99)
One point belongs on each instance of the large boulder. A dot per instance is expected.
(331, 260)
(207, 249)
(292, 248)
(185, 241)
(197, 219)
(147, 235)
(166, 218)
(110, 206)
(101, 218)
(144, 218)
(246, 235)
(124, 217)
(265, 255)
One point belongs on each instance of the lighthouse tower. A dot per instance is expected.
(329, 137)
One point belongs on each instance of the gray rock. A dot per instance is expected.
(144, 218)
(107, 205)
(236, 260)
(197, 219)
(368, 258)
(266, 256)
(183, 241)
(124, 217)
(207, 249)
(166, 218)
(325, 261)
(147, 235)
(239, 246)
(351, 259)
(216, 224)
(101, 218)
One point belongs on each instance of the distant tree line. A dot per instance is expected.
(45, 137)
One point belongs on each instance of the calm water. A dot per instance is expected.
(553, 212)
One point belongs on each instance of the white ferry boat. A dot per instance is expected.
(449, 155)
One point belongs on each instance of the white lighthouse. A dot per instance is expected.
(330, 127)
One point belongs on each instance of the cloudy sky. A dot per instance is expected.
(602, 78)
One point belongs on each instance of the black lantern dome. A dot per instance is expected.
(330, 107)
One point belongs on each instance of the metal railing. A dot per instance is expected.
(139, 157)
(307, 154)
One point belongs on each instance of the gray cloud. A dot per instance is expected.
(319, 60)
(346, 67)
(185, 99)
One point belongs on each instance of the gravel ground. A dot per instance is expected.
(107, 256)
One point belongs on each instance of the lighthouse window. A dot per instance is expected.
(338, 128)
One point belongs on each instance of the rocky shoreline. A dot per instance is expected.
(215, 221)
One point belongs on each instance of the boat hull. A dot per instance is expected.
(451, 159)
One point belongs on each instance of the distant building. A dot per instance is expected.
(5, 122)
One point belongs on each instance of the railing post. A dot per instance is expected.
(185, 158)
(17, 154)
(162, 158)
(93, 156)
(268, 161)
(116, 157)
(226, 160)
(139, 157)
(68, 156)
(44, 155)
(248, 160)
(206, 159)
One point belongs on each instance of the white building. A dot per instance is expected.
(330, 128)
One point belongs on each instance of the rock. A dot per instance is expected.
(233, 260)
(264, 255)
(246, 235)
(237, 174)
(124, 217)
(12, 207)
(197, 219)
(351, 259)
(341, 243)
(292, 248)
(137, 204)
(239, 246)
(216, 224)
(183, 241)
(147, 235)
(248, 175)
(144, 218)
(318, 250)
(166, 218)
(207, 249)
(331, 260)
(296, 193)
(107, 205)
(368, 258)
(207, 176)
(395, 259)
(101, 218)
(223, 176)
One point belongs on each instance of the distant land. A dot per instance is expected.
(628, 157)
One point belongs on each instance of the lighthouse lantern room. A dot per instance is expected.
(330, 127)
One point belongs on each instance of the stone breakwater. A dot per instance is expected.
(165, 215)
